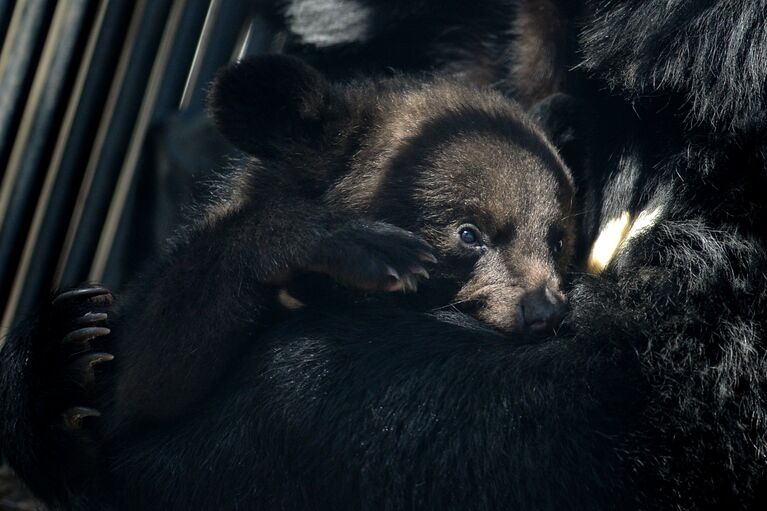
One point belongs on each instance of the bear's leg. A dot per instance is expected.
(188, 322)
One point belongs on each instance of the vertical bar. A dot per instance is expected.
(135, 239)
(128, 170)
(199, 53)
(57, 175)
(218, 51)
(258, 38)
(242, 41)
(6, 9)
(24, 172)
(125, 94)
(16, 61)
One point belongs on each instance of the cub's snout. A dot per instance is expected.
(515, 294)
(541, 310)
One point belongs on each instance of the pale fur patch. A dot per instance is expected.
(607, 243)
(328, 22)
(616, 234)
(288, 301)
(643, 221)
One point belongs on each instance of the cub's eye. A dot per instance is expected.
(556, 240)
(469, 235)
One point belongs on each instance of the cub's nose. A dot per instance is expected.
(542, 309)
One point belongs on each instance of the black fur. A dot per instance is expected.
(712, 53)
(276, 98)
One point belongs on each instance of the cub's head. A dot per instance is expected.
(471, 173)
(465, 169)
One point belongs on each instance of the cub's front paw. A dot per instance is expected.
(374, 256)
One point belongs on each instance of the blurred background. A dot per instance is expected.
(103, 135)
(104, 138)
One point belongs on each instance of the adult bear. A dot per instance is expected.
(671, 131)
(654, 400)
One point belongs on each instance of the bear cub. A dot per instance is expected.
(378, 186)
(366, 183)
(361, 185)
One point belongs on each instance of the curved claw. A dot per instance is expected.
(410, 283)
(392, 272)
(83, 294)
(419, 270)
(84, 364)
(427, 257)
(91, 317)
(84, 335)
(72, 418)
(407, 282)
(91, 359)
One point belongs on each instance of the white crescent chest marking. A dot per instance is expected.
(616, 234)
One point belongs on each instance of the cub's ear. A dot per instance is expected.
(260, 102)
(559, 117)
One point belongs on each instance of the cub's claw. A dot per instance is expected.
(83, 366)
(91, 359)
(392, 272)
(91, 317)
(427, 257)
(72, 418)
(83, 335)
(406, 283)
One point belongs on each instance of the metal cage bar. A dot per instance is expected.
(83, 84)
(56, 198)
(25, 170)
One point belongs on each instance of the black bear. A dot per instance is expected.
(465, 170)
(670, 146)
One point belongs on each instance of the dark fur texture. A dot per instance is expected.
(713, 54)
(655, 399)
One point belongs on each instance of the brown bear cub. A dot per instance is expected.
(379, 186)
(376, 185)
